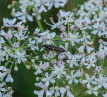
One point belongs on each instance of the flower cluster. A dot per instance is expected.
(82, 34)
(17, 45)
(5, 77)
(27, 9)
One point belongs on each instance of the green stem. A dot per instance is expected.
(80, 93)
(102, 63)
(7, 62)
(68, 28)
(39, 24)
(24, 43)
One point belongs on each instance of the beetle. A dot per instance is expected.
(54, 48)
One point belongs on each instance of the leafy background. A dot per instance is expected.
(24, 79)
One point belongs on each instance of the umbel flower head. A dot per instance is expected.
(81, 34)
(5, 77)
(27, 9)
(80, 65)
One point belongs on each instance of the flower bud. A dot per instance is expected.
(15, 68)
(37, 57)
(37, 78)
(28, 66)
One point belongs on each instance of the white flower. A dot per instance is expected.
(1, 40)
(24, 3)
(61, 56)
(23, 16)
(55, 90)
(60, 63)
(64, 14)
(48, 79)
(32, 44)
(69, 19)
(21, 34)
(102, 81)
(83, 23)
(41, 5)
(104, 95)
(20, 56)
(92, 91)
(2, 88)
(86, 45)
(8, 35)
(49, 55)
(3, 72)
(47, 35)
(9, 92)
(98, 69)
(5, 76)
(16, 45)
(11, 22)
(38, 68)
(59, 3)
(44, 90)
(36, 13)
(90, 60)
(67, 91)
(45, 65)
(2, 54)
(73, 38)
(59, 71)
(37, 30)
(89, 81)
(72, 61)
(9, 77)
(72, 78)
(99, 28)
(7, 52)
